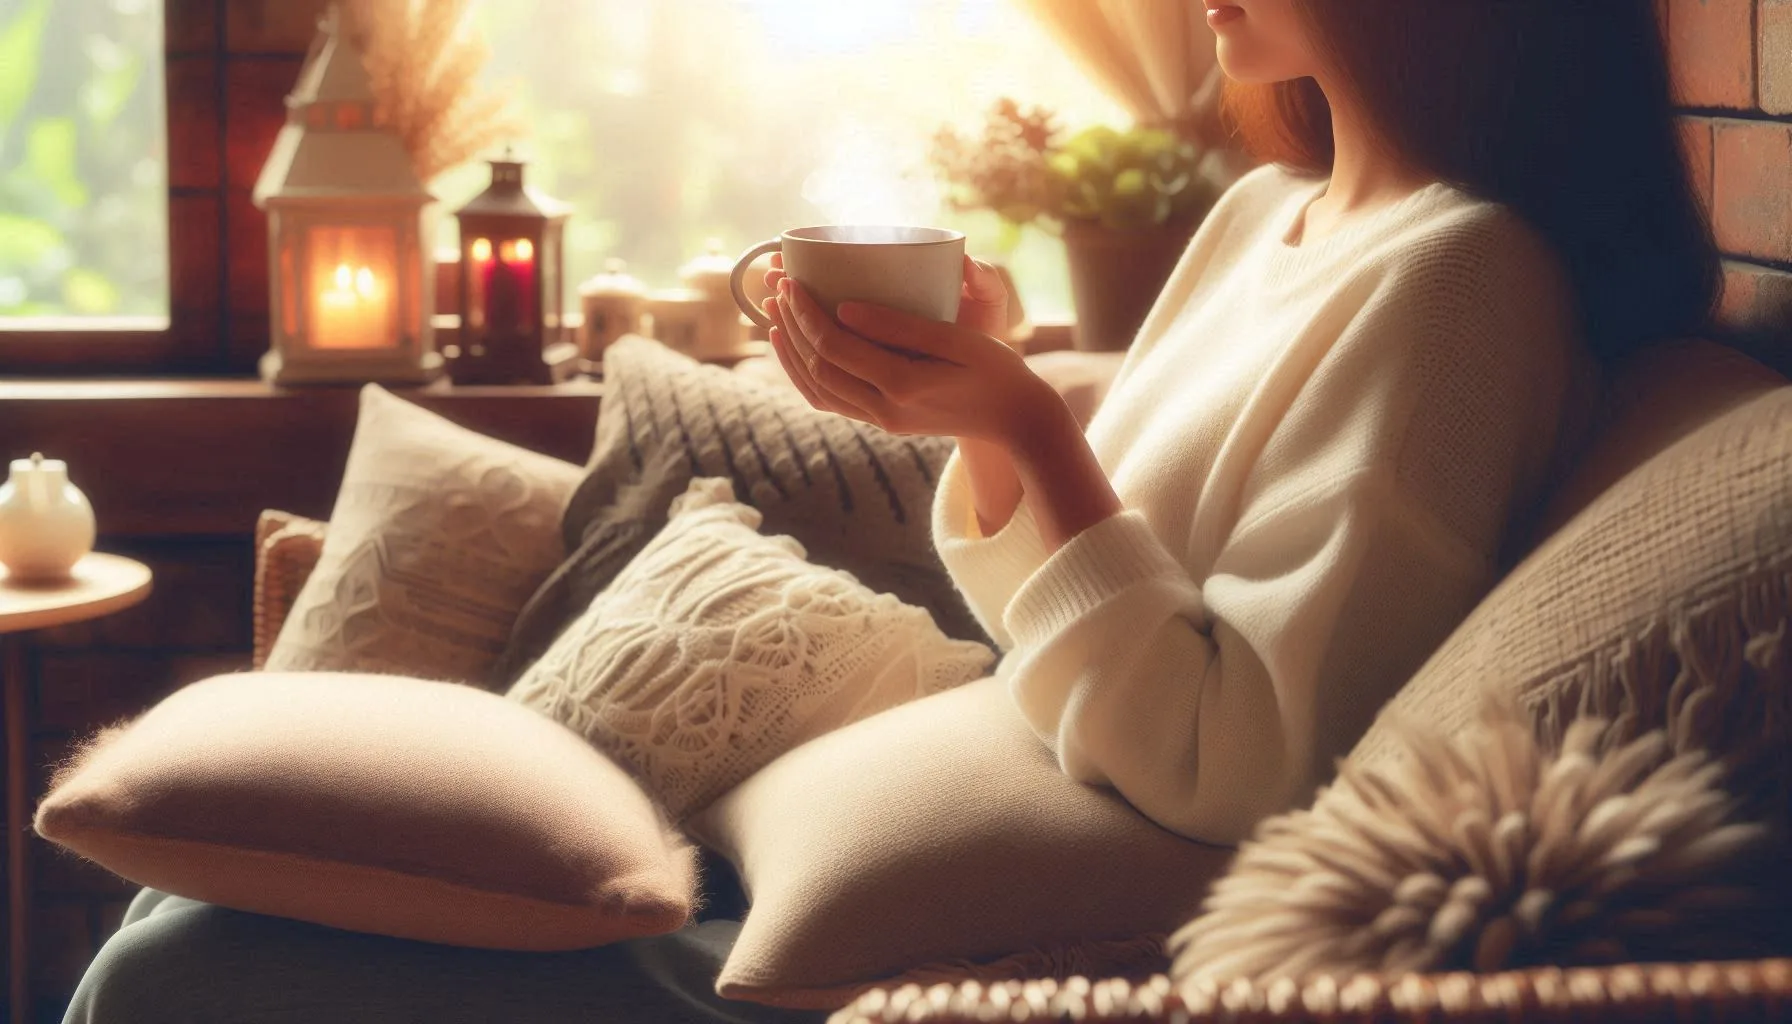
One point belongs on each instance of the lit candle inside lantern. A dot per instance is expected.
(508, 284)
(354, 312)
(479, 282)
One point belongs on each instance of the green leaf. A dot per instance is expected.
(89, 293)
(107, 93)
(50, 154)
(20, 44)
(26, 243)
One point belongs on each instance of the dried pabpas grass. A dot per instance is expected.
(423, 62)
(1491, 851)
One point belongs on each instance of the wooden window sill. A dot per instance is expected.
(181, 457)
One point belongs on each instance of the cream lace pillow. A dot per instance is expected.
(437, 537)
(717, 649)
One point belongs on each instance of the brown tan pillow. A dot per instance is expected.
(421, 810)
(924, 841)
(287, 548)
(438, 537)
(1662, 604)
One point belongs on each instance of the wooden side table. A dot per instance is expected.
(100, 585)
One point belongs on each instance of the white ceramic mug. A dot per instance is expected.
(916, 270)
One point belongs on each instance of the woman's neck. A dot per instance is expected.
(1366, 173)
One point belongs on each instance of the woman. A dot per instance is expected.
(1359, 376)
(1301, 480)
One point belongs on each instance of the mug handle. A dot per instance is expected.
(740, 274)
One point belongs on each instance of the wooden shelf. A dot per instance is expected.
(183, 458)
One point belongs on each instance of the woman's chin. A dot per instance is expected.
(1241, 65)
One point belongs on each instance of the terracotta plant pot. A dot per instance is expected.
(1115, 276)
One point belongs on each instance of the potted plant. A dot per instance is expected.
(1125, 201)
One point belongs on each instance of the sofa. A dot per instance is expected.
(1679, 501)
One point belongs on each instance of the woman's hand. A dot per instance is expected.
(982, 304)
(907, 374)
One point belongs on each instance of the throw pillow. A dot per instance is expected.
(857, 498)
(717, 649)
(287, 548)
(1492, 850)
(940, 841)
(422, 810)
(438, 537)
(1661, 605)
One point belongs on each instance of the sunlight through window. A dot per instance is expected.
(667, 124)
(83, 160)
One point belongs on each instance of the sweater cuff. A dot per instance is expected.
(987, 570)
(1097, 565)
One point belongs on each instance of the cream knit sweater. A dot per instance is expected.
(1319, 447)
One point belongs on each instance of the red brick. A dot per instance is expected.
(61, 947)
(1757, 300)
(1695, 140)
(191, 26)
(200, 601)
(193, 129)
(1711, 44)
(78, 692)
(254, 109)
(246, 239)
(1776, 56)
(272, 26)
(195, 260)
(109, 915)
(1752, 189)
(57, 873)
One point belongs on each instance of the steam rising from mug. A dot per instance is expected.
(918, 270)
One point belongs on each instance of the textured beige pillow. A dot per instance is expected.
(287, 548)
(380, 804)
(940, 841)
(717, 649)
(438, 536)
(1663, 605)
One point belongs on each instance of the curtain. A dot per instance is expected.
(1154, 56)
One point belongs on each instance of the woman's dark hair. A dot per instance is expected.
(1559, 109)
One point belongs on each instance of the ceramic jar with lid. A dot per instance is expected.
(46, 523)
(612, 303)
(677, 318)
(722, 331)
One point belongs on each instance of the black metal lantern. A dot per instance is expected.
(512, 274)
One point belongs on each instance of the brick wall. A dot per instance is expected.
(1732, 63)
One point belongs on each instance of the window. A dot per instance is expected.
(83, 163)
(668, 123)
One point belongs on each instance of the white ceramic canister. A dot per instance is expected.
(46, 523)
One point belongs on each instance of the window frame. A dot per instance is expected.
(227, 67)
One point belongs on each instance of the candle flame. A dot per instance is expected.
(344, 278)
(525, 251)
(364, 282)
(482, 249)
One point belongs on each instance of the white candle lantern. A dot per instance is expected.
(350, 265)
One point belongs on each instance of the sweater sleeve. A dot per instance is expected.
(986, 570)
(1367, 526)
(1206, 705)
(989, 570)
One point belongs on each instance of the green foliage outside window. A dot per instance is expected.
(83, 159)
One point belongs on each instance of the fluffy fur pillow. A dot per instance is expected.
(1490, 850)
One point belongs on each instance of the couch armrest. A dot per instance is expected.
(1757, 990)
(286, 551)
